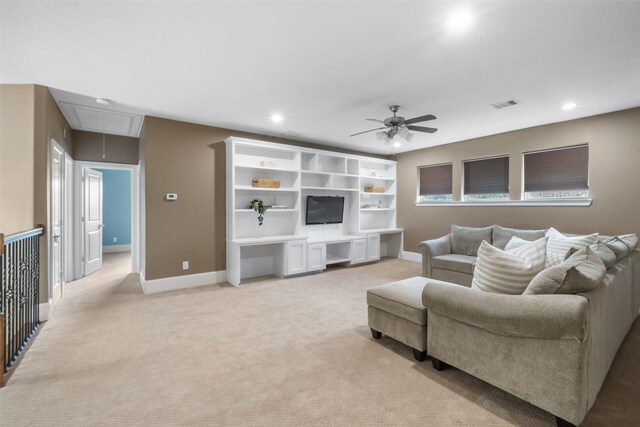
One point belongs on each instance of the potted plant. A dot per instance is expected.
(258, 206)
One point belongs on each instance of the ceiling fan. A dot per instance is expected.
(398, 126)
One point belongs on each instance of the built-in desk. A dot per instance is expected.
(289, 255)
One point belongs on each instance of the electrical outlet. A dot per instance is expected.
(185, 265)
(115, 239)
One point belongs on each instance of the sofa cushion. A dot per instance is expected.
(402, 299)
(466, 240)
(603, 252)
(502, 235)
(622, 245)
(454, 262)
(508, 272)
(581, 272)
(558, 245)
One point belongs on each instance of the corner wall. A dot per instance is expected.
(614, 176)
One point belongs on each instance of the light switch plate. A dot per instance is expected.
(171, 196)
(185, 265)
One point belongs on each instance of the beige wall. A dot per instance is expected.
(614, 176)
(187, 159)
(16, 158)
(118, 149)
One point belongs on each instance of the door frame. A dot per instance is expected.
(53, 145)
(137, 223)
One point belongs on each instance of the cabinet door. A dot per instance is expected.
(359, 251)
(317, 256)
(296, 258)
(373, 247)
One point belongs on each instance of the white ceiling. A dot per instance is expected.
(326, 66)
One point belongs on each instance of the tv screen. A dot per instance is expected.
(324, 209)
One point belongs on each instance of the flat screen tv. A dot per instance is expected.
(324, 209)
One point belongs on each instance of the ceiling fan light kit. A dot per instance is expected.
(396, 130)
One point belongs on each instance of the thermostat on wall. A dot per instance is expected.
(171, 196)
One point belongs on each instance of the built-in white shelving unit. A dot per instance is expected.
(284, 245)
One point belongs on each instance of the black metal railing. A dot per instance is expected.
(19, 292)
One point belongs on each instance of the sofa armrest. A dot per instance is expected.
(431, 248)
(528, 316)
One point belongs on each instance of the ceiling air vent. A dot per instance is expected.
(505, 104)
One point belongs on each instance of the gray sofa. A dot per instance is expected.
(553, 351)
(452, 258)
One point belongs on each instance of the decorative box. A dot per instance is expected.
(373, 189)
(265, 183)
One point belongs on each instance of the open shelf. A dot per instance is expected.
(268, 210)
(265, 168)
(364, 193)
(336, 260)
(379, 178)
(377, 209)
(250, 188)
(329, 188)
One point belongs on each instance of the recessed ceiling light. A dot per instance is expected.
(460, 19)
(569, 106)
(276, 118)
(103, 101)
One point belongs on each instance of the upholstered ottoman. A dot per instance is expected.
(396, 310)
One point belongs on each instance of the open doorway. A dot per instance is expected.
(107, 212)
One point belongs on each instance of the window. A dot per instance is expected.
(435, 183)
(561, 173)
(486, 179)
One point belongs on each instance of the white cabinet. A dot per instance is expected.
(359, 251)
(373, 247)
(317, 256)
(296, 257)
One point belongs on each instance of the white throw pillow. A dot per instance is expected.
(559, 245)
(508, 271)
(515, 242)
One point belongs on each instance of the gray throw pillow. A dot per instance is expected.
(581, 272)
(603, 252)
(622, 245)
(466, 240)
(502, 235)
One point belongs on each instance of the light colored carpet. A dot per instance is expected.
(290, 352)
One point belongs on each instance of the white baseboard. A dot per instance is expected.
(412, 256)
(116, 248)
(45, 310)
(182, 282)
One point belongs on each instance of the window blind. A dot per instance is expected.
(436, 180)
(554, 170)
(486, 176)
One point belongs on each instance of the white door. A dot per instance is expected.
(373, 247)
(317, 256)
(296, 257)
(358, 251)
(57, 176)
(92, 218)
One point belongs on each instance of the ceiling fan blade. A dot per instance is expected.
(422, 129)
(370, 130)
(420, 119)
(376, 120)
